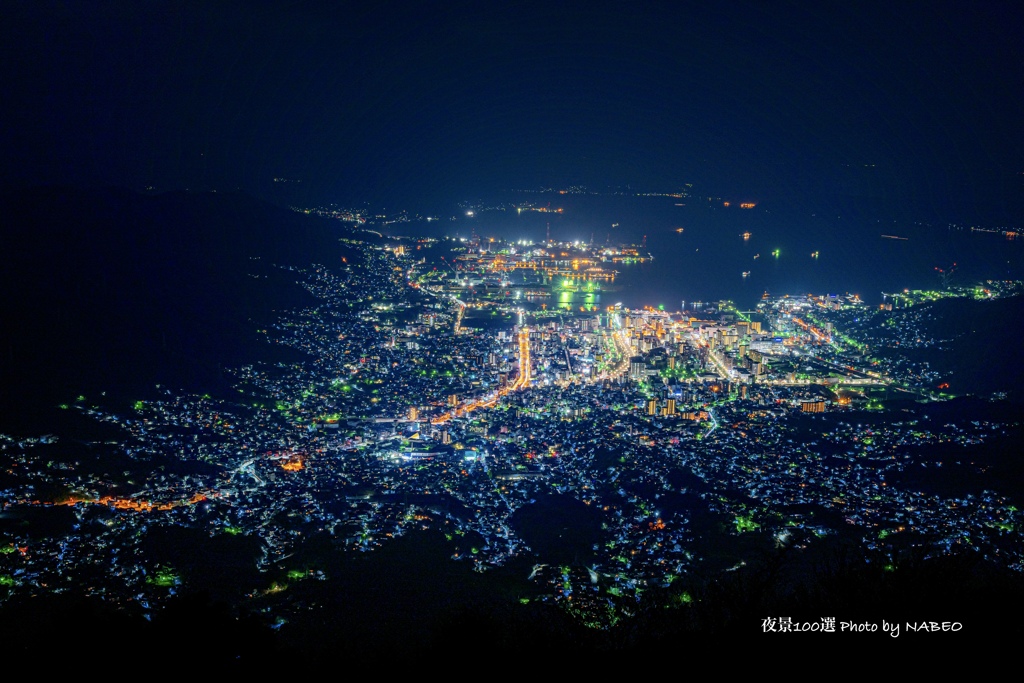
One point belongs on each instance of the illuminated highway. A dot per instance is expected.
(458, 316)
(624, 352)
(521, 382)
(714, 422)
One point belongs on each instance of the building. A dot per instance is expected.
(814, 405)
(670, 407)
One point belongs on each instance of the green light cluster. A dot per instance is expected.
(746, 523)
(163, 577)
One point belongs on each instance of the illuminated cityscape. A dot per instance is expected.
(421, 332)
(445, 399)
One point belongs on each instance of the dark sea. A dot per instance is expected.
(701, 252)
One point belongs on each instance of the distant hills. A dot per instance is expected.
(982, 355)
(111, 290)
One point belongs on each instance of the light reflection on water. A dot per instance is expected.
(781, 251)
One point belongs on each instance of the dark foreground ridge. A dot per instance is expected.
(195, 629)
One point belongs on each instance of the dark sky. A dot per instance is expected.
(408, 100)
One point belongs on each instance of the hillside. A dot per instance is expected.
(110, 290)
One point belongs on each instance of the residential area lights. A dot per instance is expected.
(408, 408)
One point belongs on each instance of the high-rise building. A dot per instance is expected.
(652, 407)
(814, 405)
(637, 367)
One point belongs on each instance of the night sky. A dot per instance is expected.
(405, 102)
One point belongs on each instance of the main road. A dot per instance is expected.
(521, 382)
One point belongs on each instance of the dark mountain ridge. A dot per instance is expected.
(110, 290)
